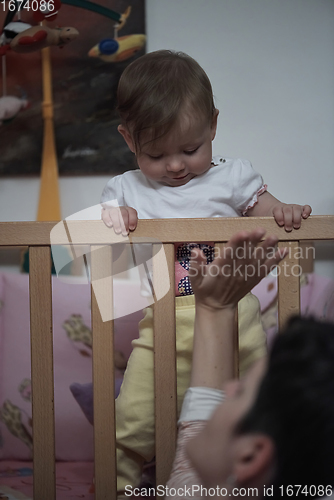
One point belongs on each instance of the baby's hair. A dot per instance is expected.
(156, 88)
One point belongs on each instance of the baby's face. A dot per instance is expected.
(180, 155)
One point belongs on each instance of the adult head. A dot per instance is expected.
(276, 427)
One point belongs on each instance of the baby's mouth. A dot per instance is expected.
(178, 178)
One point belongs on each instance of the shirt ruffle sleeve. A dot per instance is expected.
(112, 194)
(198, 406)
(247, 186)
(183, 476)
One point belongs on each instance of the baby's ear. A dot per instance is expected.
(214, 124)
(127, 137)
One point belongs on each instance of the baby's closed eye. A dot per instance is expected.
(190, 152)
(154, 157)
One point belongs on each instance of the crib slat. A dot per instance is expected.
(103, 374)
(164, 367)
(307, 256)
(40, 290)
(288, 283)
(236, 367)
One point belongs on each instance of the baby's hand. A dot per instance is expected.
(122, 219)
(290, 216)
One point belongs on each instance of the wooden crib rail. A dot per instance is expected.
(320, 227)
(36, 235)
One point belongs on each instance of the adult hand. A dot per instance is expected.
(243, 262)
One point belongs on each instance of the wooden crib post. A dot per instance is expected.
(103, 374)
(164, 367)
(288, 283)
(42, 373)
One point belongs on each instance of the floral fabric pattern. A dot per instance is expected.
(182, 263)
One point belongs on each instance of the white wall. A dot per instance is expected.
(271, 67)
(19, 197)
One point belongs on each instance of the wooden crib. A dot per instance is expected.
(36, 235)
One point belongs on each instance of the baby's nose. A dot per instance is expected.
(175, 164)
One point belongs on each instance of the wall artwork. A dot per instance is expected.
(85, 74)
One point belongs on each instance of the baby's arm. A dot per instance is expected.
(122, 219)
(285, 214)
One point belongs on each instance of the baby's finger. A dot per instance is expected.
(307, 210)
(133, 218)
(288, 217)
(106, 218)
(278, 215)
(117, 220)
(297, 216)
(124, 221)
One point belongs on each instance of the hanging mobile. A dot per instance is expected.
(10, 105)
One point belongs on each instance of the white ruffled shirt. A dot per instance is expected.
(228, 189)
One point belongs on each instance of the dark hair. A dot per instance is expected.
(156, 88)
(295, 406)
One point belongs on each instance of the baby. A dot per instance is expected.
(169, 120)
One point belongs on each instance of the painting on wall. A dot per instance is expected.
(84, 94)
